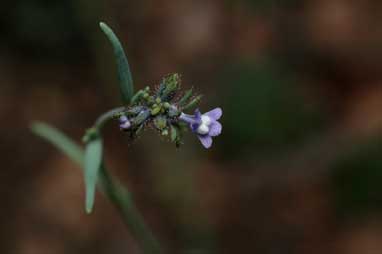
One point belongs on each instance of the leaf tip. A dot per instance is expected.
(105, 28)
(102, 25)
(37, 127)
(89, 206)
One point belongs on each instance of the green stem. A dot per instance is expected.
(104, 118)
(113, 190)
(122, 199)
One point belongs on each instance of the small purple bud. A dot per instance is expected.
(123, 119)
(124, 123)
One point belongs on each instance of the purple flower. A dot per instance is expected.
(204, 125)
(124, 123)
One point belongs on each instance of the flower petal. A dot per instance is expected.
(194, 127)
(215, 113)
(205, 140)
(215, 129)
(197, 114)
(187, 118)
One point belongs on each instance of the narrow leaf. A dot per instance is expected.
(60, 140)
(124, 75)
(174, 133)
(193, 102)
(74, 151)
(171, 84)
(137, 96)
(185, 97)
(92, 164)
(118, 195)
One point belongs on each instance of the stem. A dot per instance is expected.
(112, 189)
(104, 118)
(121, 198)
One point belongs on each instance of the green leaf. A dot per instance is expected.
(91, 158)
(185, 97)
(137, 96)
(124, 75)
(92, 165)
(174, 133)
(59, 140)
(116, 193)
(193, 102)
(171, 83)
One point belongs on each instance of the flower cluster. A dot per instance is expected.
(163, 110)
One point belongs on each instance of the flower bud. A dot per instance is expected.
(155, 111)
(169, 86)
(160, 122)
(166, 105)
(141, 117)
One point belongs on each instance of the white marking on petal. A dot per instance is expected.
(206, 120)
(203, 129)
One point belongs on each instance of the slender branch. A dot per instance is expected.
(104, 118)
(122, 199)
(112, 189)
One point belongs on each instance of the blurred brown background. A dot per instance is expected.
(298, 167)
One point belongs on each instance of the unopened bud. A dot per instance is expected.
(155, 111)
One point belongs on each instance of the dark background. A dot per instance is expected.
(297, 169)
